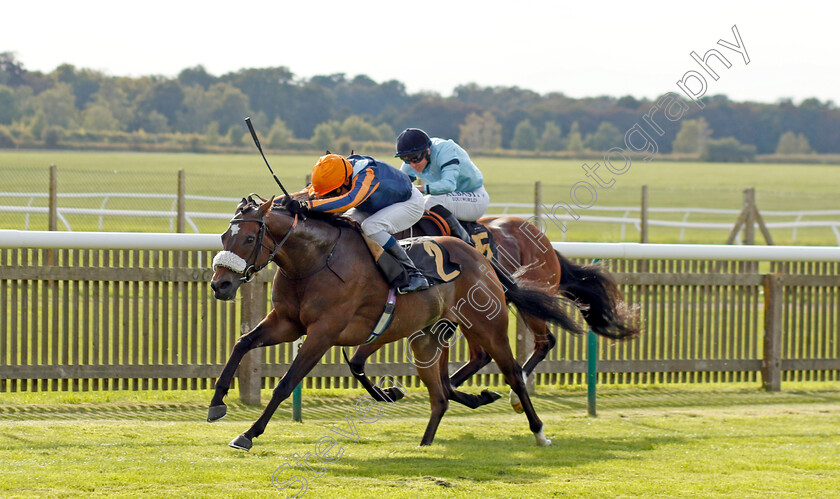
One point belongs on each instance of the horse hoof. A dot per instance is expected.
(490, 396)
(241, 442)
(216, 413)
(541, 440)
(516, 403)
(395, 393)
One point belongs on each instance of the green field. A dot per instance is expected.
(679, 441)
(779, 187)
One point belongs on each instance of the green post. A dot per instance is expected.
(591, 369)
(297, 394)
(296, 404)
(591, 372)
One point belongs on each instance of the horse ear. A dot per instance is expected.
(266, 207)
(328, 152)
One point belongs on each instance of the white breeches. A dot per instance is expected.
(467, 206)
(389, 220)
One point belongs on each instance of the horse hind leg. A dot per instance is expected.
(544, 341)
(426, 347)
(467, 399)
(515, 378)
(478, 359)
(496, 344)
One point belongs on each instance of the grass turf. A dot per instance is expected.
(676, 441)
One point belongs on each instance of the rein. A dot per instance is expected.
(322, 267)
(251, 269)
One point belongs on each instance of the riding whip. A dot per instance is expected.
(257, 142)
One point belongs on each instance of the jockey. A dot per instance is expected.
(373, 193)
(451, 178)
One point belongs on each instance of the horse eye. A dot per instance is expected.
(250, 239)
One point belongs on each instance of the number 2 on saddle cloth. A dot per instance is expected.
(432, 224)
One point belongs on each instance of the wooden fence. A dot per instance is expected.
(141, 319)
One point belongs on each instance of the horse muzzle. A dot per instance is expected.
(224, 286)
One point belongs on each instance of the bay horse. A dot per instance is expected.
(328, 288)
(525, 251)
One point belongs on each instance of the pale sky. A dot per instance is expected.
(579, 48)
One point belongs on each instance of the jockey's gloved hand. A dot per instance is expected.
(296, 207)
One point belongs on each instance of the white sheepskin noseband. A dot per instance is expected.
(229, 260)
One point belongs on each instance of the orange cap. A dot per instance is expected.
(330, 173)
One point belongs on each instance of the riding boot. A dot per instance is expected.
(416, 280)
(458, 230)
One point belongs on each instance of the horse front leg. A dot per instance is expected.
(357, 369)
(311, 351)
(270, 331)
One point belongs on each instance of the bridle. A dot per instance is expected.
(251, 268)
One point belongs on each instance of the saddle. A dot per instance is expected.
(433, 223)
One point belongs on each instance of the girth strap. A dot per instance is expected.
(385, 318)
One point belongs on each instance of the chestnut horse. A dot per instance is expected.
(525, 251)
(328, 288)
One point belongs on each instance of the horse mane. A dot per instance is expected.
(334, 219)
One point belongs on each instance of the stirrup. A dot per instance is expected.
(415, 283)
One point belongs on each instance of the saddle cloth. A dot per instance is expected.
(432, 224)
(432, 259)
(428, 256)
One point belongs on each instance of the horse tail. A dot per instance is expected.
(601, 302)
(534, 301)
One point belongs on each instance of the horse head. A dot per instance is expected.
(248, 246)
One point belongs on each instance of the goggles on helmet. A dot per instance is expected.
(414, 157)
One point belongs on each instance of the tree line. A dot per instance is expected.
(338, 112)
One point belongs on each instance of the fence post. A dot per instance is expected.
(250, 372)
(182, 202)
(643, 216)
(53, 216)
(771, 365)
(524, 348)
(52, 222)
(749, 209)
(537, 202)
